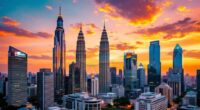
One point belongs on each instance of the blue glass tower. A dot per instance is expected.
(154, 67)
(177, 64)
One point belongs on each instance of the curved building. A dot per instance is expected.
(59, 68)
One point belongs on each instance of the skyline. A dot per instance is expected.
(21, 30)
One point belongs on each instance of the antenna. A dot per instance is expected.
(59, 10)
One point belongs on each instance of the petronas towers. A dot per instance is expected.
(104, 62)
(59, 66)
(81, 60)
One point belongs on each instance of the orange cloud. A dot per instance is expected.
(122, 47)
(137, 12)
(182, 9)
(9, 21)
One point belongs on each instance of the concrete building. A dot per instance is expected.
(174, 81)
(107, 98)
(151, 101)
(190, 98)
(95, 86)
(118, 90)
(81, 101)
(45, 88)
(166, 90)
(17, 78)
(32, 90)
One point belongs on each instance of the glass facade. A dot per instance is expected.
(154, 67)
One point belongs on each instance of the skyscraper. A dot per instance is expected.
(198, 87)
(45, 88)
(81, 60)
(130, 71)
(104, 63)
(59, 68)
(154, 67)
(17, 80)
(113, 75)
(141, 76)
(74, 78)
(177, 64)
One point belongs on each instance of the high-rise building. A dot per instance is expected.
(198, 87)
(130, 72)
(94, 86)
(166, 90)
(154, 67)
(174, 81)
(59, 67)
(74, 78)
(190, 99)
(104, 63)
(141, 76)
(45, 88)
(81, 60)
(177, 64)
(113, 75)
(151, 101)
(17, 80)
(120, 76)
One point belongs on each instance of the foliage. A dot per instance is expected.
(123, 101)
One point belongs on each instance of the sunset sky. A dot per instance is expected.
(29, 25)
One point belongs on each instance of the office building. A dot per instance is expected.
(32, 90)
(59, 66)
(141, 76)
(81, 101)
(113, 72)
(104, 63)
(81, 60)
(130, 71)
(154, 66)
(45, 88)
(118, 90)
(190, 98)
(94, 86)
(17, 80)
(166, 90)
(151, 101)
(174, 81)
(74, 78)
(121, 78)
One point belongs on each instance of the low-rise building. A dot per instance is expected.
(81, 101)
(151, 101)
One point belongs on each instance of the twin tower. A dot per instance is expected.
(59, 60)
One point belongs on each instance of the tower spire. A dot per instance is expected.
(104, 25)
(59, 10)
(81, 27)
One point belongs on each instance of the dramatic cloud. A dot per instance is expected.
(9, 21)
(89, 28)
(122, 47)
(48, 7)
(9, 27)
(137, 12)
(192, 54)
(42, 57)
(178, 29)
(92, 52)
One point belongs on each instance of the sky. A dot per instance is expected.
(29, 26)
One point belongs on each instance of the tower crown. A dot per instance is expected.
(60, 19)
